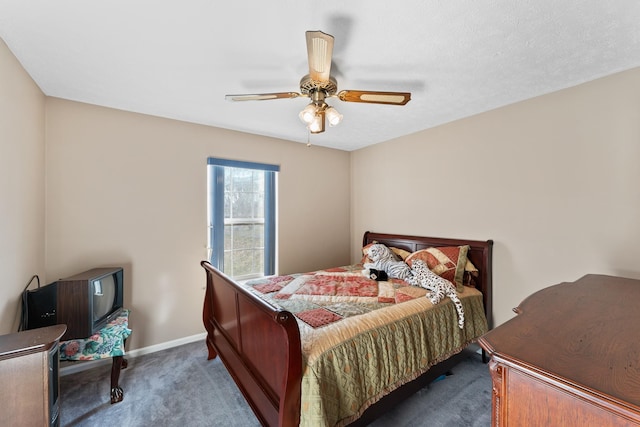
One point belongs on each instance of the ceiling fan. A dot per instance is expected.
(319, 85)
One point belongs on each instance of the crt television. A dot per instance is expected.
(85, 302)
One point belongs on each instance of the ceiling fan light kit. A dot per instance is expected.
(319, 85)
(314, 114)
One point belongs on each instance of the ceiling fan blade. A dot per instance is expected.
(391, 98)
(262, 96)
(319, 51)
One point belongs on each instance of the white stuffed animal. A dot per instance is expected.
(385, 260)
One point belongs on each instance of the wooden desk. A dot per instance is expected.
(570, 358)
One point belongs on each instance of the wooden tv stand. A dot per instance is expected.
(570, 358)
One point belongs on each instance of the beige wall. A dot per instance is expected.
(552, 180)
(22, 150)
(129, 189)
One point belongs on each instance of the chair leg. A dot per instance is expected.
(117, 394)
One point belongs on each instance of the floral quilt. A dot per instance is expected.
(326, 296)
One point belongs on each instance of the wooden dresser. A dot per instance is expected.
(570, 358)
(29, 387)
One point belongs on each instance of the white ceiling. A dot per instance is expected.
(178, 59)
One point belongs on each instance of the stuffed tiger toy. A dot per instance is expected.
(438, 286)
(385, 260)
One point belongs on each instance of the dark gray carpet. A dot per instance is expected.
(180, 387)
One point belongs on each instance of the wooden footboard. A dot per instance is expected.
(259, 345)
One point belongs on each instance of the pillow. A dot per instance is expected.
(471, 274)
(365, 253)
(401, 254)
(447, 262)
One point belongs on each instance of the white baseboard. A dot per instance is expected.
(67, 368)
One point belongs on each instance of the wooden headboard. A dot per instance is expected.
(480, 254)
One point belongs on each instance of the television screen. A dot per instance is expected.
(104, 294)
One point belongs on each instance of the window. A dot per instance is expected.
(241, 217)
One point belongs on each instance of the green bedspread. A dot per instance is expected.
(361, 339)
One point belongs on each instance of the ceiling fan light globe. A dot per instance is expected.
(317, 125)
(333, 116)
(308, 114)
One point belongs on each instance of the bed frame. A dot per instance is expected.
(260, 344)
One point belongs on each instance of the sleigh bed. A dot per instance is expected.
(302, 358)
